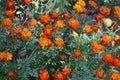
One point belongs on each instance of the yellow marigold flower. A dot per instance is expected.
(74, 34)
(7, 23)
(59, 42)
(26, 33)
(59, 23)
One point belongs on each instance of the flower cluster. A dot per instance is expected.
(5, 55)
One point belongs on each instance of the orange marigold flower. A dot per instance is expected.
(26, 33)
(9, 14)
(17, 29)
(94, 28)
(72, 23)
(116, 61)
(66, 15)
(92, 3)
(9, 56)
(10, 73)
(116, 37)
(54, 14)
(107, 57)
(63, 57)
(59, 76)
(44, 18)
(2, 55)
(99, 72)
(96, 46)
(7, 23)
(59, 42)
(47, 30)
(105, 38)
(66, 70)
(116, 10)
(10, 5)
(77, 54)
(26, 1)
(114, 75)
(59, 23)
(12, 34)
(33, 22)
(104, 10)
(44, 42)
(98, 17)
(81, 3)
(43, 74)
(87, 28)
(27, 23)
(78, 8)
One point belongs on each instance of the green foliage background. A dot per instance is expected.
(29, 57)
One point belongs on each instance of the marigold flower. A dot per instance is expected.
(72, 23)
(105, 39)
(114, 75)
(74, 34)
(27, 23)
(7, 23)
(63, 57)
(78, 8)
(98, 17)
(107, 57)
(47, 30)
(66, 15)
(44, 42)
(59, 42)
(26, 1)
(43, 74)
(10, 5)
(59, 76)
(59, 23)
(104, 10)
(17, 29)
(96, 46)
(99, 72)
(26, 33)
(33, 22)
(66, 70)
(9, 14)
(6, 55)
(10, 73)
(44, 18)
(116, 61)
(77, 54)
(12, 34)
(87, 28)
(116, 10)
(81, 3)
(92, 3)
(54, 14)
(94, 28)
(116, 37)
